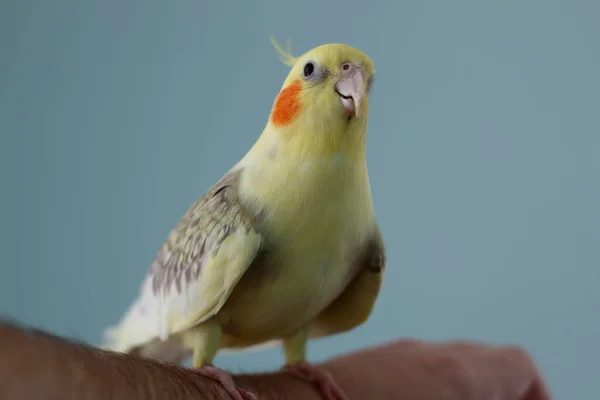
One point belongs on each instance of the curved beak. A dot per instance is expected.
(351, 89)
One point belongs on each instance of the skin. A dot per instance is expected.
(286, 246)
(35, 364)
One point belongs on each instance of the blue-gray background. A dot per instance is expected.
(483, 151)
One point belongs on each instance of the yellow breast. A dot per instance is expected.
(312, 203)
(314, 216)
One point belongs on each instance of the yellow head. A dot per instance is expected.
(323, 105)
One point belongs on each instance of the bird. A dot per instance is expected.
(285, 247)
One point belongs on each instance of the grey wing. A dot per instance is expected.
(195, 271)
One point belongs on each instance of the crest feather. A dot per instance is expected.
(285, 55)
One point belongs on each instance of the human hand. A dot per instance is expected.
(453, 370)
(34, 363)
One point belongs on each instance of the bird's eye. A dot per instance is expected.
(309, 69)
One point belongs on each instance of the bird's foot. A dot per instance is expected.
(226, 381)
(319, 377)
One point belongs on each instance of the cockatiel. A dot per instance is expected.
(285, 247)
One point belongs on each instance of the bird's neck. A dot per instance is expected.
(304, 171)
(312, 141)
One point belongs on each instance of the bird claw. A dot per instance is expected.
(224, 378)
(319, 377)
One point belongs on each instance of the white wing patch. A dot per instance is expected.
(171, 311)
(195, 271)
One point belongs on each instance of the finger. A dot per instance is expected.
(537, 391)
(490, 373)
(521, 374)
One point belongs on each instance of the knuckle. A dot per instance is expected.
(518, 355)
(517, 351)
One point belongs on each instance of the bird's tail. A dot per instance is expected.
(139, 333)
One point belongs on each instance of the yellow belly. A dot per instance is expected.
(281, 295)
(315, 215)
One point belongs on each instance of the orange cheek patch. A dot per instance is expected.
(287, 105)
